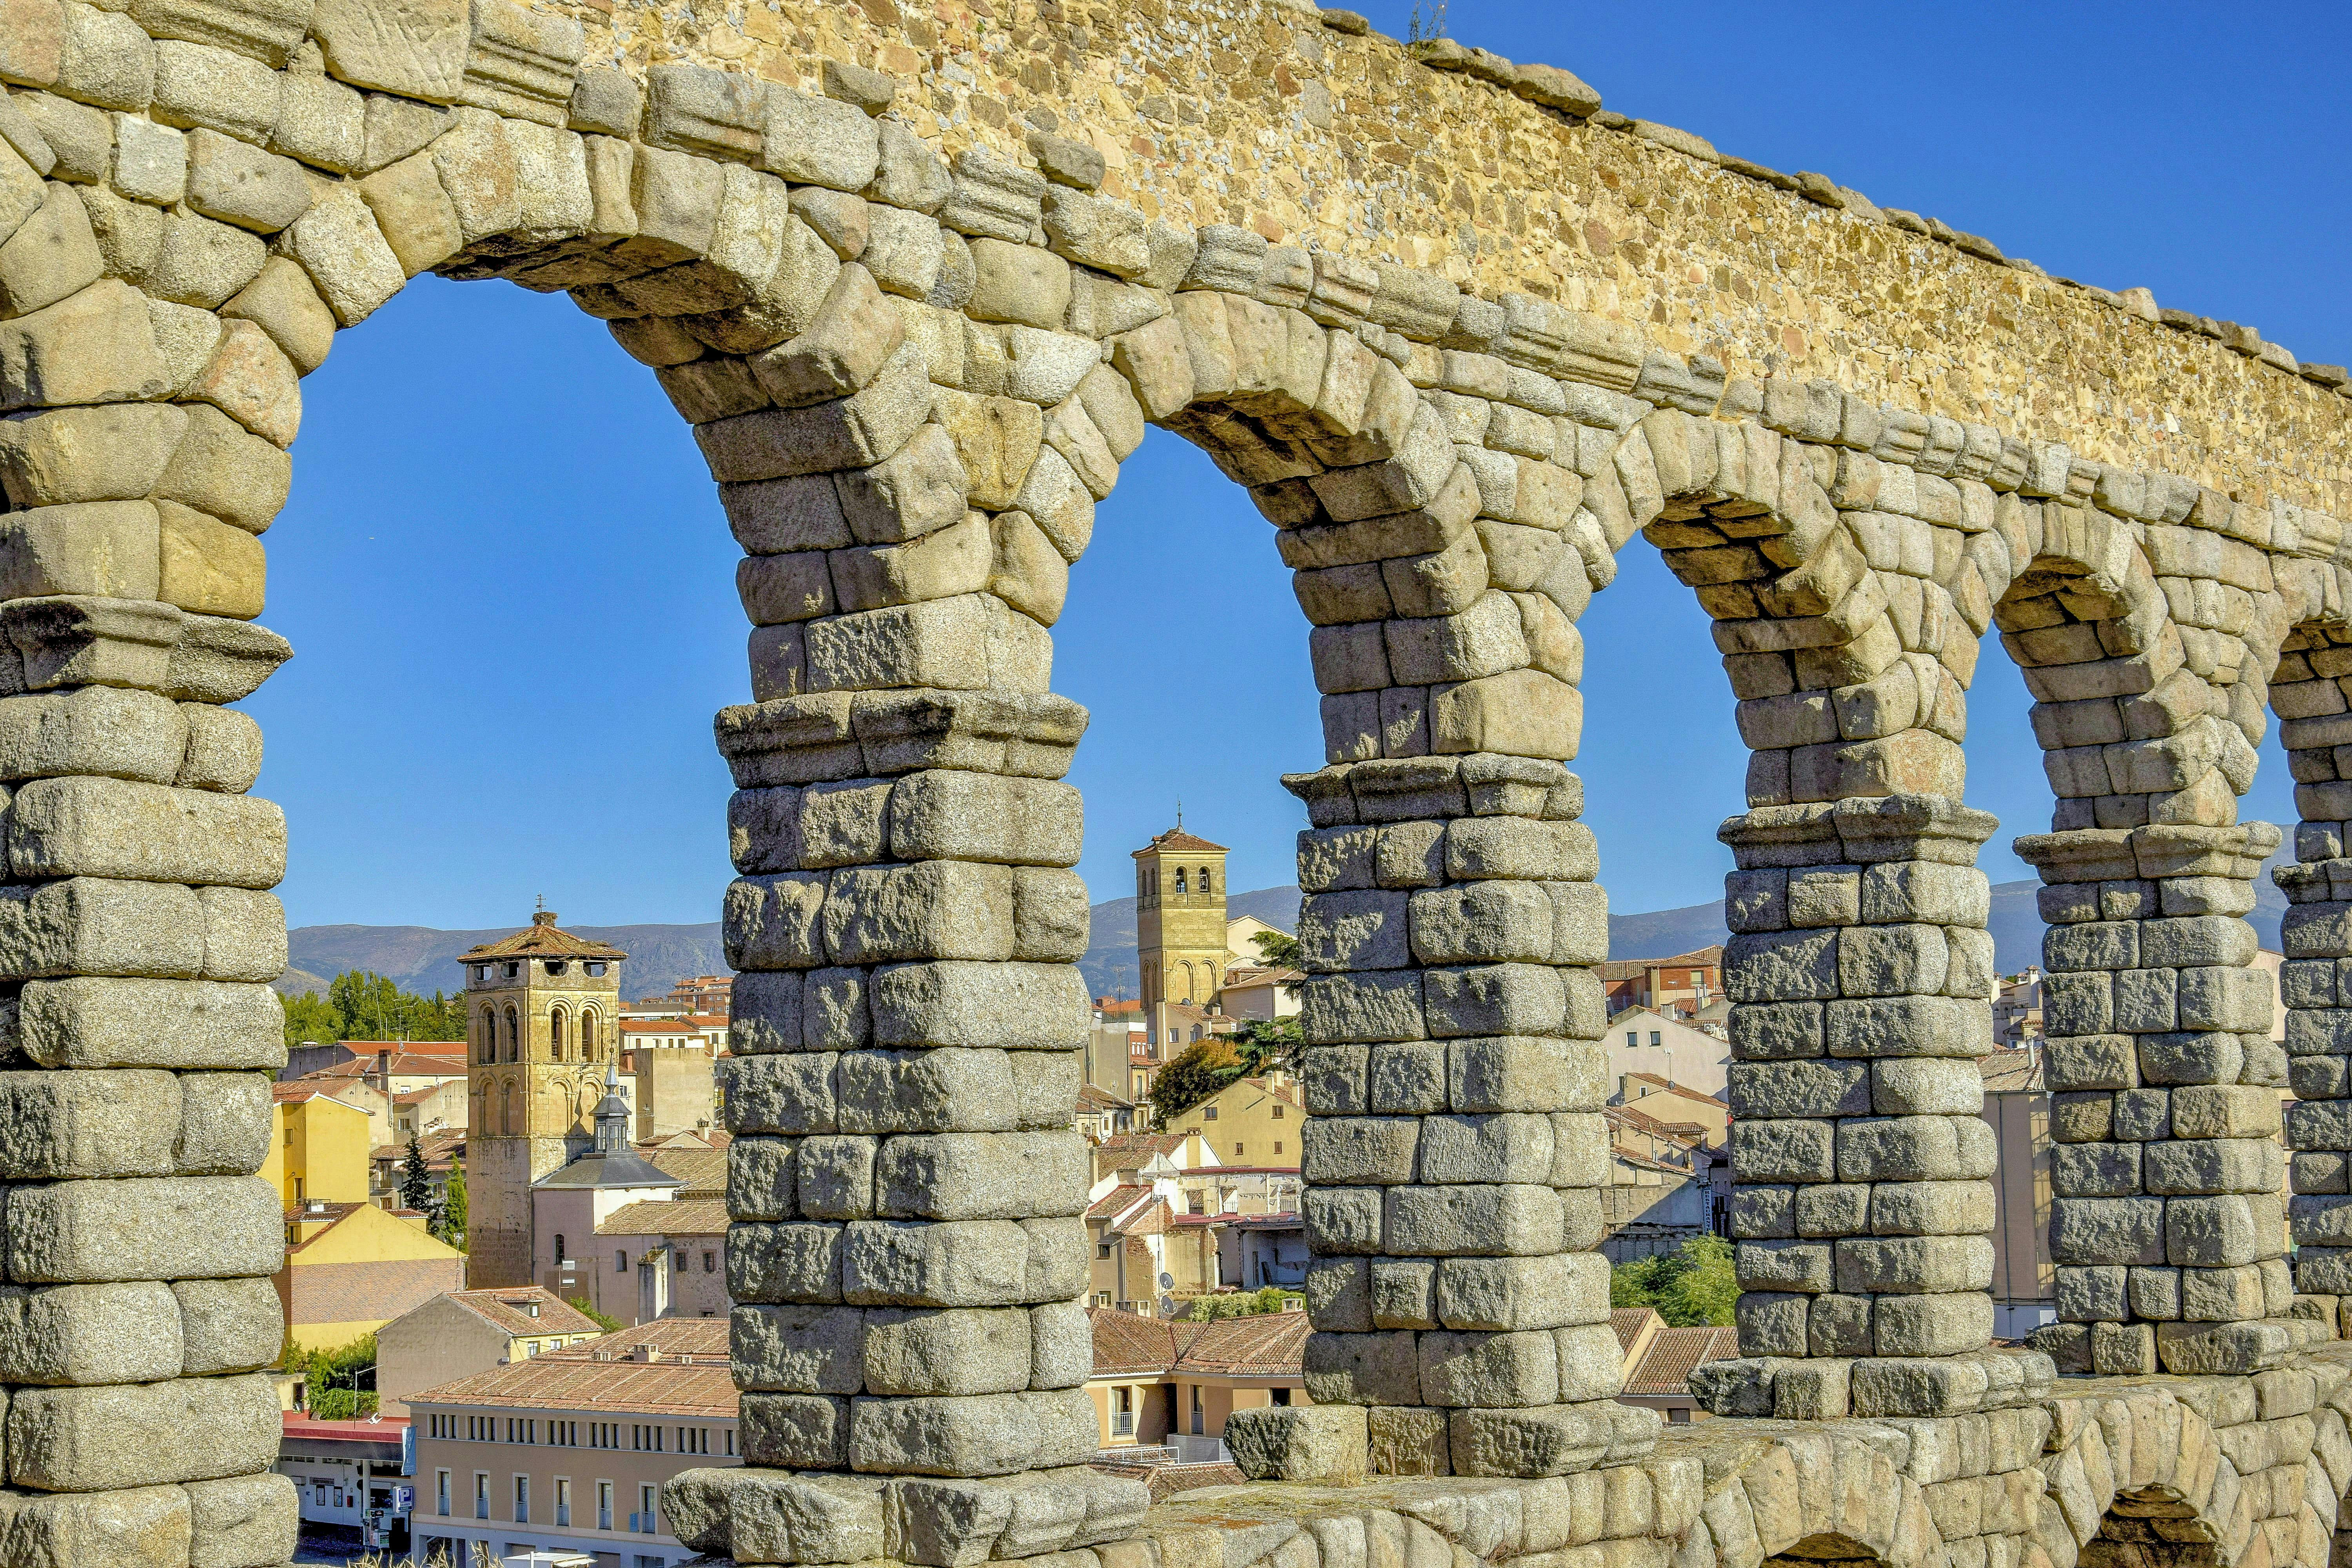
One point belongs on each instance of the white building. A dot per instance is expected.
(1642, 1040)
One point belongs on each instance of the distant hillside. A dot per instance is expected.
(422, 960)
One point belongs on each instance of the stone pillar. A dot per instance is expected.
(137, 932)
(2308, 693)
(1456, 1155)
(2165, 1223)
(1860, 975)
(907, 1254)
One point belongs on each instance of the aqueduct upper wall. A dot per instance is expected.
(1256, 114)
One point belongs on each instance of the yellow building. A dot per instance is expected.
(1250, 1121)
(1175, 1384)
(352, 1267)
(1180, 918)
(319, 1147)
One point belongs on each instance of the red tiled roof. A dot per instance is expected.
(1674, 1353)
(1270, 1345)
(667, 1217)
(1129, 1342)
(541, 938)
(1681, 1088)
(671, 1336)
(1626, 1322)
(1176, 839)
(365, 1292)
(1115, 1200)
(509, 1310)
(572, 1380)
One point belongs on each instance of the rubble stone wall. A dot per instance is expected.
(914, 358)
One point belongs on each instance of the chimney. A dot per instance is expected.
(384, 1074)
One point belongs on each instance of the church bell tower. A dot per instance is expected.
(543, 1009)
(1180, 918)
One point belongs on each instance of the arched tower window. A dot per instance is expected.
(588, 1034)
(1179, 880)
(514, 1037)
(514, 1110)
(490, 1043)
(1204, 878)
(555, 1033)
(559, 1249)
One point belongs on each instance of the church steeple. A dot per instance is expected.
(1180, 917)
(543, 1010)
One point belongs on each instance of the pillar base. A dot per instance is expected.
(1829, 1388)
(821, 1516)
(2129, 1350)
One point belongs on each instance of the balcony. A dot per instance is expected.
(1122, 1425)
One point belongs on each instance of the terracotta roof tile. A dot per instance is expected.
(1115, 1200)
(541, 938)
(1129, 1342)
(1626, 1322)
(569, 1380)
(365, 1292)
(510, 1311)
(1271, 1345)
(1675, 1352)
(667, 1217)
(1176, 839)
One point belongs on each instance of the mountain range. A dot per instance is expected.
(422, 960)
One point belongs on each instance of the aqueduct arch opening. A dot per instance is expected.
(915, 349)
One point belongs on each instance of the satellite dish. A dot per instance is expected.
(1167, 1306)
(1168, 1281)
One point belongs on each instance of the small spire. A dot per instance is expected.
(1179, 817)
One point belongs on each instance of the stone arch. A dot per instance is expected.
(555, 1017)
(2308, 693)
(2144, 640)
(2141, 1482)
(1823, 1496)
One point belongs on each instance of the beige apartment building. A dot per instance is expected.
(659, 1259)
(466, 1332)
(567, 1451)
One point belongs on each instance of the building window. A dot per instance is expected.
(1237, 1150)
(646, 1498)
(482, 1494)
(1634, 1037)
(523, 1500)
(1208, 1113)
(1278, 1114)
(1281, 1396)
(710, 1263)
(1204, 878)
(603, 1505)
(588, 1027)
(1653, 1037)
(1122, 1418)
(1179, 880)
(1199, 1425)
(620, 1263)
(555, 1033)
(563, 1502)
(441, 1493)
(1277, 1145)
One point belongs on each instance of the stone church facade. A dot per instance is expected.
(919, 283)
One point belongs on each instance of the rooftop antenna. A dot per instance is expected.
(1179, 817)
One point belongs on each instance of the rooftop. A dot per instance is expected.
(667, 1217)
(541, 938)
(1676, 1353)
(592, 1376)
(1176, 839)
(1270, 1345)
(511, 1311)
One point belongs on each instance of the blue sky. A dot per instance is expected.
(511, 588)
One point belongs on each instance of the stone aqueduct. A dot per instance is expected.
(919, 283)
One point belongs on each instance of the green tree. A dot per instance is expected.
(1262, 1043)
(451, 1227)
(609, 1324)
(311, 1017)
(416, 1184)
(363, 1005)
(1192, 1076)
(1691, 1286)
(339, 1382)
(1278, 950)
